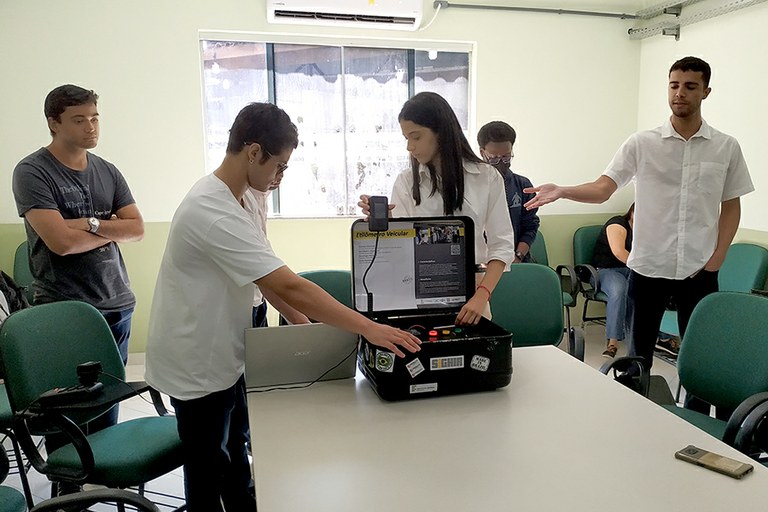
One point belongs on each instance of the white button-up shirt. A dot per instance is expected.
(485, 203)
(679, 186)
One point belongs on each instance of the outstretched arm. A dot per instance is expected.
(314, 302)
(597, 191)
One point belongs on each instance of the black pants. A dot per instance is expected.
(651, 296)
(216, 468)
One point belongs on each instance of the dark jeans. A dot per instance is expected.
(216, 468)
(259, 315)
(120, 324)
(650, 296)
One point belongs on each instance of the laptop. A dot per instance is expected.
(296, 355)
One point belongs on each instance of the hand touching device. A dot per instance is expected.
(378, 220)
(713, 461)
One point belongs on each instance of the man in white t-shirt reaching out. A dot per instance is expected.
(202, 306)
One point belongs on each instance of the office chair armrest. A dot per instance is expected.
(738, 417)
(157, 398)
(58, 421)
(569, 281)
(86, 499)
(576, 343)
(587, 275)
(157, 401)
(622, 364)
(624, 371)
(752, 426)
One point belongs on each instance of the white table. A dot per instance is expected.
(560, 437)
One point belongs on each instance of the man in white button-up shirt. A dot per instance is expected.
(688, 180)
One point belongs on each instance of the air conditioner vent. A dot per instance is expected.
(334, 16)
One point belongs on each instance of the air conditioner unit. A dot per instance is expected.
(384, 14)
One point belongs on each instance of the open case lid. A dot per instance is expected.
(422, 265)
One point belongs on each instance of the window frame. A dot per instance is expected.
(343, 41)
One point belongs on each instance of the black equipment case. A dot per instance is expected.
(416, 276)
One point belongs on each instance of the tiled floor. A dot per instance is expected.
(173, 483)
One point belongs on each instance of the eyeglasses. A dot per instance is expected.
(281, 166)
(493, 160)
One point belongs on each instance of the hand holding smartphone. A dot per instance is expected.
(713, 461)
(379, 216)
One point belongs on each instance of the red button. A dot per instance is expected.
(433, 333)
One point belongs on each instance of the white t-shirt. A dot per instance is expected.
(255, 203)
(679, 186)
(485, 203)
(204, 293)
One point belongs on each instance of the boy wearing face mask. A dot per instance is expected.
(496, 140)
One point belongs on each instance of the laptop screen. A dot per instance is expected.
(420, 263)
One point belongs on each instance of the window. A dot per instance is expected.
(344, 101)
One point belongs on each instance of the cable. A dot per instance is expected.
(368, 294)
(303, 386)
(118, 379)
(434, 16)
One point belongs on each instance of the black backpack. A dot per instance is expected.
(13, 298)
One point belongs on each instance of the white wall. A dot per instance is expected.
(735, 47)
(569, 85)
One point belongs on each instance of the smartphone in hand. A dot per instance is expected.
(713, 461)
(378, 220)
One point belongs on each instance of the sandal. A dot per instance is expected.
(610, 351)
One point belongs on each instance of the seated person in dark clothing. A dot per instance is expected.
(610, 259)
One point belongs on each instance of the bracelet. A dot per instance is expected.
(483, 287)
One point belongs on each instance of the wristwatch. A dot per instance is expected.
(93, 224)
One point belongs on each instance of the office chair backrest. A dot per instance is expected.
(745, 267)
(338, 283)
(584, 240)
(41, 347)
(538, 250)
(528, 302)
(22, 274)
(724, 355)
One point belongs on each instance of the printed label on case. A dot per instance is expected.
(423, 388)
(414, 367)
(480, 363)
(385, 361)
(446, 363)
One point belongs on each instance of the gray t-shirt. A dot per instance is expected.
(97, 277)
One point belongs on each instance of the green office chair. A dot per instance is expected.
(569, 287)
(745, 268)
(12, 500)
(338, 283)
(527, 302)
(723, 360)
(22, 274)
(41, 348)
(6, 430)
(584, 240)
